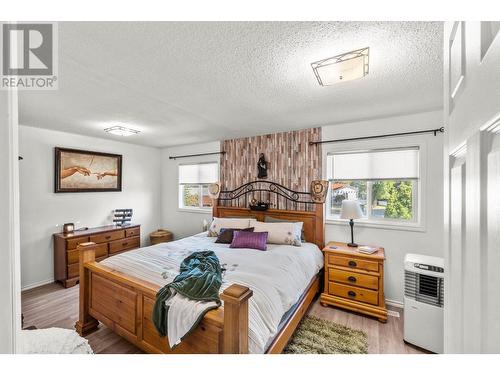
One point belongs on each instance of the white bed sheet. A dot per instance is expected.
(277, 277)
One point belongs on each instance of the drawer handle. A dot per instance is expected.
(108, 237)
(351, 293)
(125, 244)
(352, 279)
(352, 263)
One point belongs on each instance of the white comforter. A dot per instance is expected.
(277, 277)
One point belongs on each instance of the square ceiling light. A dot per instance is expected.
(121, 130)
(340, 68)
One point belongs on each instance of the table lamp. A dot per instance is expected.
(351, 210)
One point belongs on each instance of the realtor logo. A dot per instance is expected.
(29, 56)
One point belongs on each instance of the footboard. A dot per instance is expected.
(125, 304)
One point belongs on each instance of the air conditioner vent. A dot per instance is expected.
(424, 288)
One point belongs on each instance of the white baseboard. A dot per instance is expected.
(37, 284)
(392, 303)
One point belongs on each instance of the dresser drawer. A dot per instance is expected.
(132, 232)
(74, 242)
(109, 236)
(73, 256)
(353, 278)
(73, 270)
(353, 263)
(100, 251)
(124, 244)
(354, 293)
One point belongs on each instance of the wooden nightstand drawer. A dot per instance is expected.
(354, 293)
(106, 237)
(353, 278)
(353, 263)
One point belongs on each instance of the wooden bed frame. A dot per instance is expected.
(124, 303)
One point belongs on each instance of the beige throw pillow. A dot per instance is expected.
(281, 233)
(219, 223)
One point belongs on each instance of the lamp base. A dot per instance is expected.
(352, 244)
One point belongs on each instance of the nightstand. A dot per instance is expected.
(354, 281)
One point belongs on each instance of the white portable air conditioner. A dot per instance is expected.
(424, 302)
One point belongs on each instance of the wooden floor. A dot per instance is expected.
(53, 306)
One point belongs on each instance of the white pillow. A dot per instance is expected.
(226, 222)
(281, 233)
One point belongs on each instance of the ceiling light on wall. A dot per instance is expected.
(121, 130)
(344, 67)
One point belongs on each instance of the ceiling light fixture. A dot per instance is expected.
(344, 67)
(121, 130)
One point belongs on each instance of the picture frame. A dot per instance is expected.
(82, 171)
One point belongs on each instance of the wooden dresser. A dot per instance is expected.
(111, 240)
(354, 281)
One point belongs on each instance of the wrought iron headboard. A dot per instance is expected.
(277, 195)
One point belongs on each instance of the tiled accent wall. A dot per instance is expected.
(293, 163)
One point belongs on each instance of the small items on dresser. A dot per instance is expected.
(354, 280)
(123, 216)
(68, 228)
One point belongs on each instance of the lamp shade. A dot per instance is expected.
(350, 210)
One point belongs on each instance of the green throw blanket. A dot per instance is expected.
(200, 279)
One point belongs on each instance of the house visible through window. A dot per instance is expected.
(193, 184)
(384, 182)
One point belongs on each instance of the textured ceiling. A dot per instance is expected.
(187, 82)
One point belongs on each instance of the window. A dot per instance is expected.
(384, 182)
(193, 185)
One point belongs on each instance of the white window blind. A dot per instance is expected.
(374, 165)
(206, 173)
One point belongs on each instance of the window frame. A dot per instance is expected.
(419, 196)
(200, 208)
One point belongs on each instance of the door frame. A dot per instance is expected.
(13, 263)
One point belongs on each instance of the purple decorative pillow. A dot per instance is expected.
(226, 234)
(249, 240)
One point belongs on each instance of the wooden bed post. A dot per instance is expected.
(235, 330)
(319, 211)
(215, 203)
(86, 323)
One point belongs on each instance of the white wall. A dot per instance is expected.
(181, 222)
(42, 210)
(397, 242)
(10, 307)
(472, 204)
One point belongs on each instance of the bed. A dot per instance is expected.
(264, 294)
